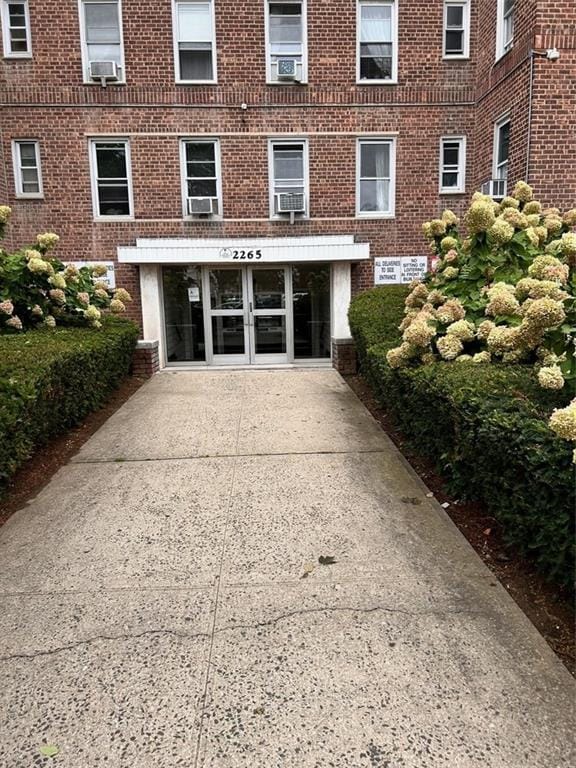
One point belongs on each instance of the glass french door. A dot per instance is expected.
(270, 327)
(228, 315)
(246, 315)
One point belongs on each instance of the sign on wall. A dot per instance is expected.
(391, 270)
(109, 278)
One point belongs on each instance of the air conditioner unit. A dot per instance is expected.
(496, 188)
(103, 70)
(202, 206)
(290, 202)
(287, 69)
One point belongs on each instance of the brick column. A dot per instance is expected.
(344, 356)
(146, 360)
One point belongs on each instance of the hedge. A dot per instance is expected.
(485, 427)
(51, 380)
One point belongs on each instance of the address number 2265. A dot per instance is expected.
(250, 255)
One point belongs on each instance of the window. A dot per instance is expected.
(201, 173)
(288, 177)
(27, 172)
(504, 27)
(375, 178)
(194, 42)
(101, 30)
(16, 30)
(111, 182)
(286, 41)
(456, 29)
(377, 47)
(452, 164)
(500, 162)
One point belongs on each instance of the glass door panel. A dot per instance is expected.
(270, 335)
(183, 314)
(270, 328)
(227, 316)
(311, 310)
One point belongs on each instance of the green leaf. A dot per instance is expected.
(49, 750)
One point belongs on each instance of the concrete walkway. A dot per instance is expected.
(162, 603)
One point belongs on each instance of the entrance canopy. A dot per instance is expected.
(243, 250)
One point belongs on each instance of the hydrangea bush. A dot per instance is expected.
(37, 289)
(505, 293)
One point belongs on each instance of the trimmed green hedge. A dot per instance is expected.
(485, 426)
(51, 380)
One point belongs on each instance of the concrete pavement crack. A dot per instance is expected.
(235, 628)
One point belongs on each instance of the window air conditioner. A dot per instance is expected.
(287, 69)
(290, 202)
(202, 206)
(103, 70)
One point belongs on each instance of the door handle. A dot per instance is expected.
(250, 314)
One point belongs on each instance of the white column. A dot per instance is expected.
(341, 297)
(152, 306)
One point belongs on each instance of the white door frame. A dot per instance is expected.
(286, 312)
(209, 313)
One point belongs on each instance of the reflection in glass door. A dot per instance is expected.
(227, 320)
(257, 314)
(270, 329)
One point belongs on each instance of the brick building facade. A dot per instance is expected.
(354, 98)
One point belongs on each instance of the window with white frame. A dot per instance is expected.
(111, 178)
(452, 164)
(500, 161)
(27, 172)
(194, 41)
(16, 35)
(456, 29)
(377, 41)
(286, 41)
(288, 177)
(504, 27)
(101, 30)
(201, 179)
(375, 178)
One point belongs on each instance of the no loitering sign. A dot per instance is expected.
(391, 270)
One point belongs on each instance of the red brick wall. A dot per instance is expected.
(48, 101)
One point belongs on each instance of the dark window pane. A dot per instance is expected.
(455, 16)
(228, 335)
(504, 143)
(454, 42)
(30, 188)
(449, 179)
(196, 65)
(28, 154)
(111, 162)
(451, 154)
(311, 304)
(113, 200)
(201, 188)
(375, 69)
(183, 314)
(19, 46)
(285, 9)
(30, 175)
(201, 170)
(199, 151)
(374, 160)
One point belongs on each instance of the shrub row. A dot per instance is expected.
(51, 380)
(485, 427)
